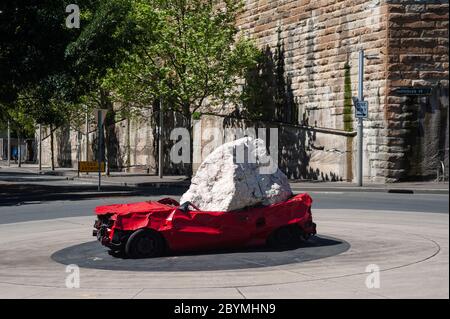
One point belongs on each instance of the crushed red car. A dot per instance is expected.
(151, 229)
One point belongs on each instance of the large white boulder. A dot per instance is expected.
(236, 175)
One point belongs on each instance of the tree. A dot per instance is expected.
(42, 104)
(186, 52)
(21, 124)
(36, 77)
(102, 44)
(34, 39)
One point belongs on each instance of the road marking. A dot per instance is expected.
(319, 192)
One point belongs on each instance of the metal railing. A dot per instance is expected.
(441, 168)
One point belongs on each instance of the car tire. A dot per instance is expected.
(285, 237)
(144, 243)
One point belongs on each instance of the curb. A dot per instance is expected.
(136, 185)
(186, 184)
(69, 175)
(373, 190)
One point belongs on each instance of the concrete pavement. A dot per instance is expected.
(410, 251)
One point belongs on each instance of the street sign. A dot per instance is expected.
(90, 167)
(413, 91)
(361, 108)
(103, 113)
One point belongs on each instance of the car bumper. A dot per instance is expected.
(309, 229)
(102, 234)
(110, 237)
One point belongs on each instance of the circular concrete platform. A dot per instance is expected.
(409, 249)
(93, 255)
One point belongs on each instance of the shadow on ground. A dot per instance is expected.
(93, 255)
(21, 194)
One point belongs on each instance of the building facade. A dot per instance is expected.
(406, 134)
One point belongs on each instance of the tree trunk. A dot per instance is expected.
(19, 150)
(128, 163)
(191, 150)
(52, 152)
(187, 115)
(111, 142)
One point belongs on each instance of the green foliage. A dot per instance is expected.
(186, 51)
(348, 107)
(37, 78)
(53, 68)
(196, 115)
(33, 40)
(102, 43)
(21, 123)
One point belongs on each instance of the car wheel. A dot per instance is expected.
(285, 237)
(144, 243)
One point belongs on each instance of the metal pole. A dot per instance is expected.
(40, 148)
(100, 153)
(9, 144)
(160, 141)
(87, 136)
(19, 150)
(78, 151)
(360, 120)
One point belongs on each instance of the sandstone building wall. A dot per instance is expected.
(409, 39)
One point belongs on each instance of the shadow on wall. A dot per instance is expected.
(267, 93)
(295, 153)
(108, 150)
(426, 141)
(171, 120)
(295, 146)
(269, 102)
(64, 152)
(112, 148)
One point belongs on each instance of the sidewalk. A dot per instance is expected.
(144, 180)
(395, 188)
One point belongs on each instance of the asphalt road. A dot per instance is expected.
(20, 203)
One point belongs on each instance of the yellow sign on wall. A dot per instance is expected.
(89, 167)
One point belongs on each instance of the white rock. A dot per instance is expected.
(229, 180)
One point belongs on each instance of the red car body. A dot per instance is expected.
(184, 230)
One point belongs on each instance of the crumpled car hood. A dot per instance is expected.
(142, 207)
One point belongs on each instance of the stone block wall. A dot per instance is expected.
(303, 153)
(407, 43)
(416, 127)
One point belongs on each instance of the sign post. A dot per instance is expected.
(40, 148)
(78, 149)
(87, 135)
(9, 144)
(360, 118)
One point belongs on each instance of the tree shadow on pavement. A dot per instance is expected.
(21, 194)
